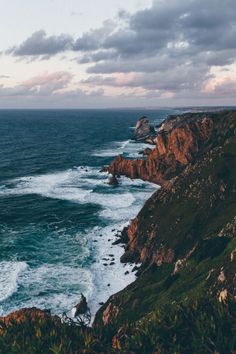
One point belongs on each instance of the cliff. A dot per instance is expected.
(180, 140)
(184, 236)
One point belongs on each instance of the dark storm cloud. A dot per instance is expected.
(171, 46)
(205, 25)
(40, 44)
(94, 39)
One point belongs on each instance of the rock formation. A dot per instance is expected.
(82, 307)
(113, 181)
(179, 141)
(144, 131)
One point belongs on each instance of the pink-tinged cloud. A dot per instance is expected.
(124, 79)
(60, 78)
(221, 86)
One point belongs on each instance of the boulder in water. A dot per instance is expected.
(113, 181)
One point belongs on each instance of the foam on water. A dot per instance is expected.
(110, 276)
(48, 286)
(112, 149)
(127, 148)
(71, 186)
(63, 250)
(67, 185)
(57, 286)
(9, 277)
(52, 286)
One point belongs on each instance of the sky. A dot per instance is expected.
(116, 53)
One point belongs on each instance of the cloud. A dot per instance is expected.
(94, 39)
(41, 85)
(183, 77)
(39, 44)
(170, 48)
(48, 89)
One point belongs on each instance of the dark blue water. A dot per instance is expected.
(57, 212)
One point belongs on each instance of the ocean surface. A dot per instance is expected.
(58, 215)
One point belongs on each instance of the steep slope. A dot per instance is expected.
(185, 238)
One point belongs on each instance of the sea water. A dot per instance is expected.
(58, 214)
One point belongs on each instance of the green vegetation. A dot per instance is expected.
(46, 336)
(198, 327)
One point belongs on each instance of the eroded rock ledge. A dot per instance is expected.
(180, 140)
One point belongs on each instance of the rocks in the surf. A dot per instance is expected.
(122, 237)
(82, 307)
(135, 269)
(113, 181)
(144, 131)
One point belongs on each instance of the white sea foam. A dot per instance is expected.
(53, 286)
(114, 201)
(57, 286)
(9, 277)
(112, 149)
(127, 147)
(67, 185)
(72, 185)
(110, 276)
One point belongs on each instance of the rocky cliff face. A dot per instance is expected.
(184, 236)
(179, 141)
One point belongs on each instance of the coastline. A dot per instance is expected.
(184, 238)
(115, 208)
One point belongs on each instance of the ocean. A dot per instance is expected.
(58, 215)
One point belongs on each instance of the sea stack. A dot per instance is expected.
(144, 131)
